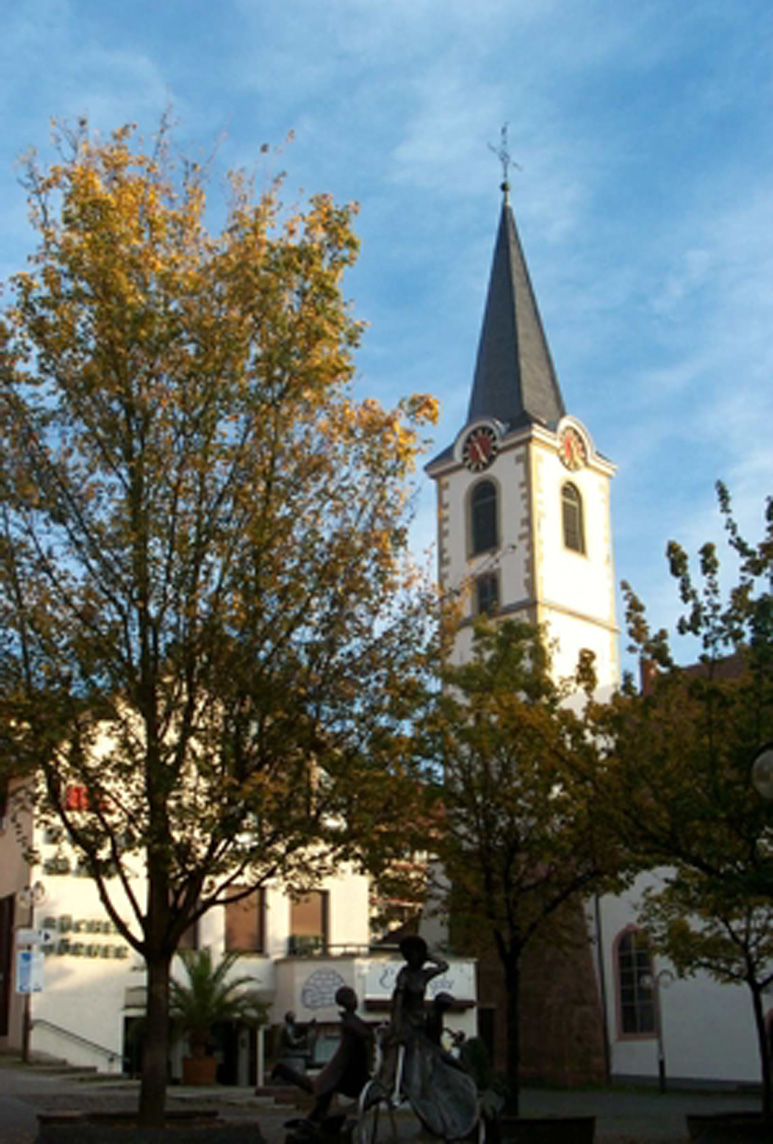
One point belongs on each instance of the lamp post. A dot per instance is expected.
(29, 897)
(762, 772)
(762, 781)
(663, 977)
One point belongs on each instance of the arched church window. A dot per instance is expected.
(635, 999)
(571, 511)
(483, 517)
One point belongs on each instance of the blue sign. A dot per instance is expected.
(29, 971)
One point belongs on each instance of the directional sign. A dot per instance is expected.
(34, 936)
(29, 971)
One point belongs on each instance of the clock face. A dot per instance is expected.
(480, 448)
(571, 449)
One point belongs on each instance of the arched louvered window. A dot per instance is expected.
(635, 999)
(483, 517)
(571, 511)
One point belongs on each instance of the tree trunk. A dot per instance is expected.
(512, 968)
(764, 1047)
(155, 1050)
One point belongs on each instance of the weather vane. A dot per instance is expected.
(503, 154)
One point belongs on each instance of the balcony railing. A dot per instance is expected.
(304, 945)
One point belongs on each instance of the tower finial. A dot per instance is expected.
(503, 154)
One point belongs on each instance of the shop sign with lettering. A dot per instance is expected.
(458, 980)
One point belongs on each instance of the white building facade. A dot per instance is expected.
(88, 984)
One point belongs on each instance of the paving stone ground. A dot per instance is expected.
(624, 1116)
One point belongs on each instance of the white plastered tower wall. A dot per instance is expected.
(575, 591)
(540, 579)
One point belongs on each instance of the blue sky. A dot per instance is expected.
(644, 198)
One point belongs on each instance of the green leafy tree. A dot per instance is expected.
(681, 770)
(516, 835)
(209, 624)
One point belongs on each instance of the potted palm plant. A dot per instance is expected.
(209, 997)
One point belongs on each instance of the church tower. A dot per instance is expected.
(523, 497)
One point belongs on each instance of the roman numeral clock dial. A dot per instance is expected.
(479, 448)
(571, 449)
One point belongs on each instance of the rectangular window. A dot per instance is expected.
(244, 930)
(487, 594)
(635, 996)
(309, 922)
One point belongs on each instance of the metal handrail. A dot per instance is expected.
(301, 946)
(111, 1054)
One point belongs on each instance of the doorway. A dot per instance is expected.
(6, 961)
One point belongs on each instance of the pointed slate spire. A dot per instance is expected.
(514, 377)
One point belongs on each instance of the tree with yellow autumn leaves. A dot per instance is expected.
(517, 767)
(209, 625)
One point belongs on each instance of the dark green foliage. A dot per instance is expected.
(211, 997)
(681, 791)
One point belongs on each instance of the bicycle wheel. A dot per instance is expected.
(370, 1113)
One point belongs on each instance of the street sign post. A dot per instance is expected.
(28, 936)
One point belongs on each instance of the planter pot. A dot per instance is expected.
(199, 1070)
(729, 1128)
(546, 1129)
(198, 1127)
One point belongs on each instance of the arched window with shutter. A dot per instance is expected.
(484, 529)
(572, 516)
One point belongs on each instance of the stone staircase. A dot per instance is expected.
(45, 1065)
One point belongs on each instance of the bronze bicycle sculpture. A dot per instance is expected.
(414, 1070)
